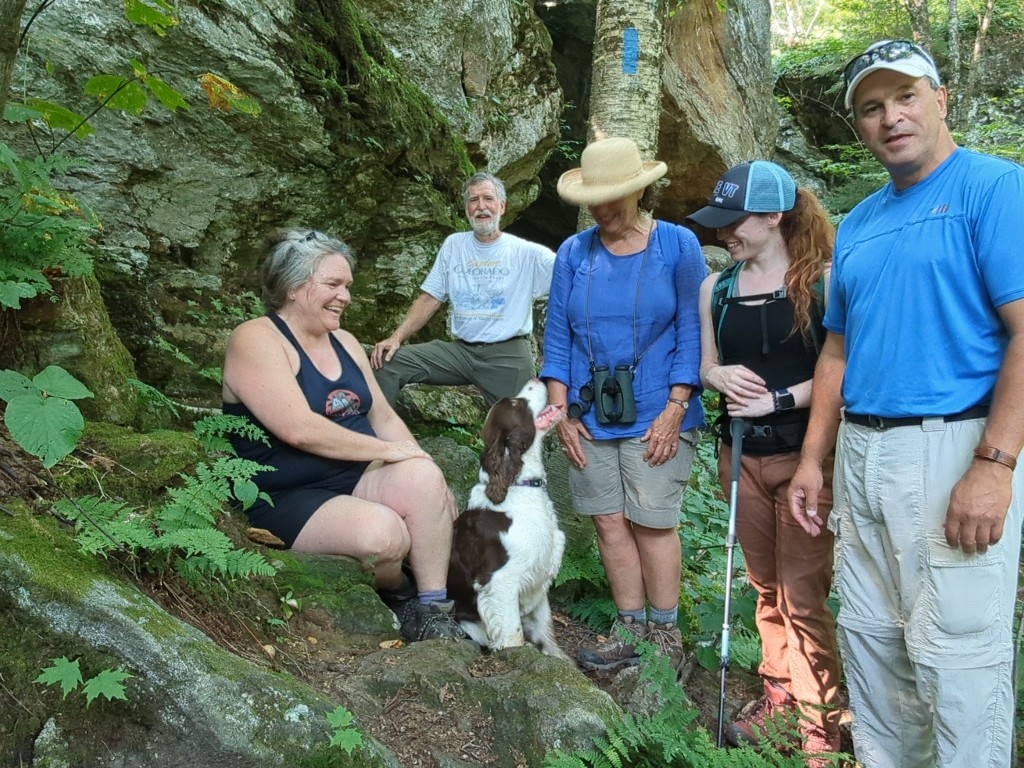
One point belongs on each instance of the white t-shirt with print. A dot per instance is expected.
(491, 286)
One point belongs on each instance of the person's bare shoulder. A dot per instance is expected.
(257, 330)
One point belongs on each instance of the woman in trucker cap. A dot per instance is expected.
(761, 331)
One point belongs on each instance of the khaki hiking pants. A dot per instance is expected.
(925, 630)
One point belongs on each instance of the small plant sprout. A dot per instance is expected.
(345, 735)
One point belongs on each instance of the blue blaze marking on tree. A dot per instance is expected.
(630, 50)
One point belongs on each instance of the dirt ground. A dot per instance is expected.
(408, 729)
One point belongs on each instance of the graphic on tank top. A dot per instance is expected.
(342, 402)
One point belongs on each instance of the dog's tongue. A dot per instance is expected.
(549, 416)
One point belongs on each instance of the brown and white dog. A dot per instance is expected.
(507, 546)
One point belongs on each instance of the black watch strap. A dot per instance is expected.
(783, 400)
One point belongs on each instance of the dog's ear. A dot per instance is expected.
(508, 432)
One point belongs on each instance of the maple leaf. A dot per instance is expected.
(107, 683)
(66, 674)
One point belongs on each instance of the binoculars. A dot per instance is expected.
(610, 393)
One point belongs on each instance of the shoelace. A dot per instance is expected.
(663, 639)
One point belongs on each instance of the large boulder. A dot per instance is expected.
(372, 115)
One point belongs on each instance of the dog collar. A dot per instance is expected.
(534, 482)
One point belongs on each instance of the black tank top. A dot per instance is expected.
(749, 329)
(345, 401)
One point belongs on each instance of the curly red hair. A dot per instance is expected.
(810, 237)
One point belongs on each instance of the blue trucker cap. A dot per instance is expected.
(754, 187)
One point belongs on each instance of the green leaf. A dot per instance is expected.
(107, 683)
(64, 673)
(20, 113)
(13, 384)
(155, 14)
(347, 740)
(56, 382)
(340, 717)
(167, 95)
(117, 92)
(246, 491)
(47, 428)
(62, 118)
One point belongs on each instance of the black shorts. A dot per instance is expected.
(293, 507)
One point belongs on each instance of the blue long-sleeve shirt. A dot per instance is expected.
(605, 309)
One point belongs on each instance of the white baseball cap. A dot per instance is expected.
(903, 56)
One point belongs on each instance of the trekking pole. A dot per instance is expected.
(737, 428)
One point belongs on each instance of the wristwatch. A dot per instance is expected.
(783, 400)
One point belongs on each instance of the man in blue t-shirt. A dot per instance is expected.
(920, 380)
(491, 279)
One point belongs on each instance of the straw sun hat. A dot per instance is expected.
(609, 170)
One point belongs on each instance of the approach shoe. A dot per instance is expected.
(432, 621)
(616, 651)
(668, 640)
(776, 706)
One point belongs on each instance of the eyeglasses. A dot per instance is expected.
(313, 235)
(894, 50)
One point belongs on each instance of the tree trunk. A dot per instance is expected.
(920, 26)
(967, 101)
(955, 62)
(625, 86)
(10, 22)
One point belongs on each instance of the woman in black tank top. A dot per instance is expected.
(761, 332)
(345, 475)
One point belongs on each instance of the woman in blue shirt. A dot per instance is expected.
(622, 354)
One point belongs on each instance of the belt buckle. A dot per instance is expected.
(876, 422)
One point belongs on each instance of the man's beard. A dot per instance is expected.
(485, 227)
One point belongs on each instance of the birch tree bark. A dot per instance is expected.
(625, 89)
(625, 85)
(10, 23)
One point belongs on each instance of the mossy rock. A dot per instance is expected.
(121, 463)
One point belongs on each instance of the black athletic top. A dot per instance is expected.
(747, 329)
(345, 400)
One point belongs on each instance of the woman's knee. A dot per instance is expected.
(387, 542)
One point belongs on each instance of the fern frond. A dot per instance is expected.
(127, 526)
(212, 432)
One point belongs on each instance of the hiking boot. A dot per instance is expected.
(818, 744)
(395, 599)
(432, 621)
(615, 652)
(668, 640)
(776, 705)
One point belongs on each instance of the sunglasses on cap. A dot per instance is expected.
(894, 50)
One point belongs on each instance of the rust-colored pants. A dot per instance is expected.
(792, 573)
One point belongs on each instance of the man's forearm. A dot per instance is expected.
(1005, 426)
(826, 400)
(423, 308)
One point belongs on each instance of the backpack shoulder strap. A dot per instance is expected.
(724, 288)
(668, 235)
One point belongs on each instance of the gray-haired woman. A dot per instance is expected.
(349, 477)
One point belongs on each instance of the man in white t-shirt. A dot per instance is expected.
(491, 279)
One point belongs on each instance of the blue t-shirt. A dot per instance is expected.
(618, 307)
(917, 279)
